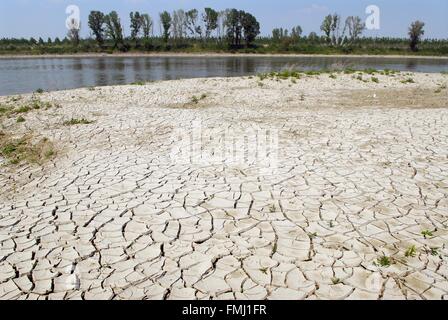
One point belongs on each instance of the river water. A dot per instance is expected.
(24, 75)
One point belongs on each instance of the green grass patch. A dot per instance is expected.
(408, 80)
(427, 233)
(411, 252)
(74, 122)
(384, 261)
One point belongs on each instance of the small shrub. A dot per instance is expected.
(411, 252)
(408, 80)
(333, 76)
(427, 233)
(74, 122)
(384, 261)
(20, 119)
(376, 80)
(335, 280)
(39, 91)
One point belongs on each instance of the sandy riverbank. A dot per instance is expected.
(353, 206)
(210, 54)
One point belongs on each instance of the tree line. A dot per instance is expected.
(236, 27)
(230, 29)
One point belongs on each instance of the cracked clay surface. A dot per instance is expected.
(359, 178)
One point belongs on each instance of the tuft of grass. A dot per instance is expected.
(333, 76)
(370, 71)
(264, 270)
(384, 261)
(138, 83)
(20, 119)
(434, 251)
(411, 252)
(312, 235)
(375, 79)
(427, 233)
(196, 100)
(335, 280)
(349, 71)
(21, 150)
(39, 91)
(408, 80)
(74, 122)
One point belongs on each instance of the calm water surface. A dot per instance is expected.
(18, 75)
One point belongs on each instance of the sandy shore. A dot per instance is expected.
(350, 201)
(210, 54)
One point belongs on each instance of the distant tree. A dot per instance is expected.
(326, 27)
(210, 18)
(136, 26)
(73, 32)
(33, 41)
(222, 23)
(234, 27)
(147, 25)
(165, 20)
(416, 32)
(277, 34)
(57, 40)
(49, 41)
(251, 27)
(331, 27)
(191, 23)
(41, 42)
(96, 24)
(313, 37)
(179, 20)
(355, 27)
(296, 33)
(114, 30)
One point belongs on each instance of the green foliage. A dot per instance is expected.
(73, 122)
(375, 79)
(20, 119)
(408, 80)
(411, 251)
(384, 261)
(427, 233)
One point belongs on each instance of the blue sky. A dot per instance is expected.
(46, 18)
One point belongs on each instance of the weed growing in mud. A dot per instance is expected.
(427, 233)
(264, 270)
(39, 91)
(333, 76)
(196, 100)
(335, 280)
(20, 119)
(434, 251)
(138, 83)
(370, 71)
(440, 88)
(411, 252)
(408, 80)
(383, 261)
(388, 72)
(23, 150)
(33, 104)
(375, 79)
(74, 122)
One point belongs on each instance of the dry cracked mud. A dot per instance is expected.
(356, 208)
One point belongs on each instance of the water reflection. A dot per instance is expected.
(26, 75)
